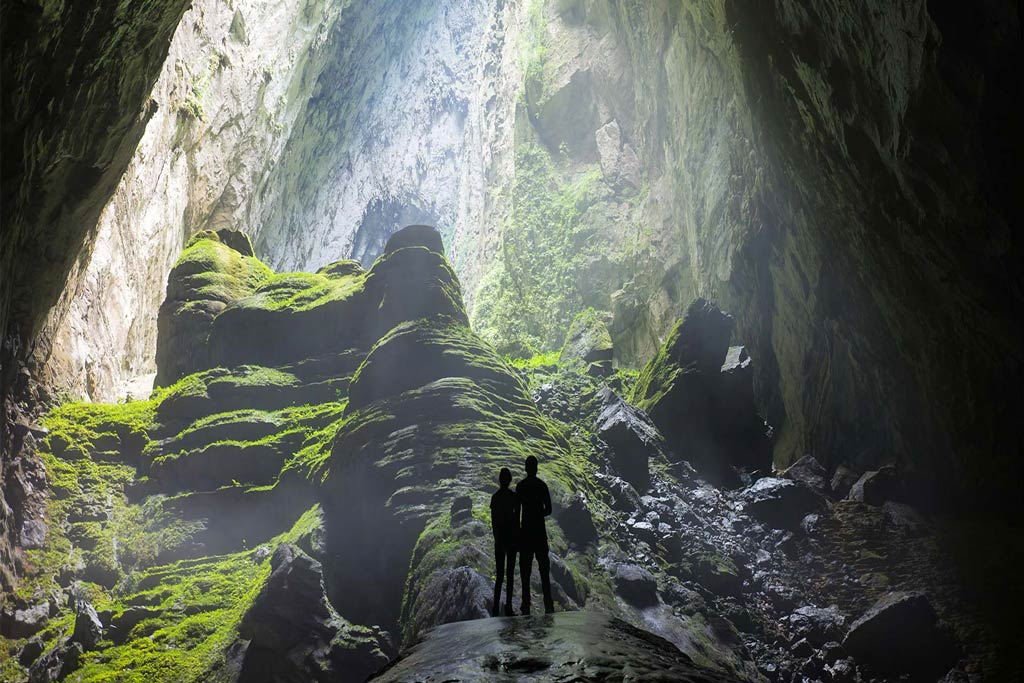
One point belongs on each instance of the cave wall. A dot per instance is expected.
(225, 101)
(76, 79)
(842, 179)
(836, 177)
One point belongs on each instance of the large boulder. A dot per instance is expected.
(901, 634)
(878, 486)
(415, 236)
(780, 503)
(295, 634)
(631, 438)
(636, 585)
(588, 340)
(214, 270)
(818, 625)
(810, 472)
(699, 393)
(88, 628)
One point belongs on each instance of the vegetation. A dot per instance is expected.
(534, 291)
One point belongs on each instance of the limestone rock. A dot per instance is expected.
(587, 340)
(842, 481)
(818, 625)
(703, 405)
(294, 632)
(547, 648)
(901, 634)
(809, 471)
(877, 487)
(635, 584)
(415, 236)
(781, 503)
(630, 435)
(88, 628)
(209, 275)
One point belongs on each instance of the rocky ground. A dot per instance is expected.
(304, 498)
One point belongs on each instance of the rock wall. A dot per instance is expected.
(229, 92)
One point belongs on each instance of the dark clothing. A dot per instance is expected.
(537, 548)
(505, 526)
(505, 514)
(504, 569)
(535, 503)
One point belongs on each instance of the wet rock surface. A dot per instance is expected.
(559, 647)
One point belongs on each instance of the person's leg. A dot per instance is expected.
(525, 567)
(510, 571)
(499, 571)
(544, 566)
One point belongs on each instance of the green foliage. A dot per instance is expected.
(534, 53)
(534, 291)
(547, 360)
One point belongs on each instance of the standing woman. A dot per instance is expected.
(505, 525)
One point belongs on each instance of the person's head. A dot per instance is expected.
(531, 465)
(505, 477)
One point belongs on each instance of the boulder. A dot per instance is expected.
(878, 486)
(901, 634)
(577, 522)
(588, 340)
(25, 621)
(631, 437)
(461, 510)
(809, 471)
(636, 585)
(88, 628)
(843, 480)
(294, 632)
(699, 393)
(818, 625)
(780, 503)
(56, 663)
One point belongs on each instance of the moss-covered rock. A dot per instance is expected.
(588, 340)
(215, 269)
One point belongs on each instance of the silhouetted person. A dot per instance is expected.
(505, 525)
(535, 503)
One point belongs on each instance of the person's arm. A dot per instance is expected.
(547, 500)
(494, 520)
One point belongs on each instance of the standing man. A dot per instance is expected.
(535, 503)
(505, 526)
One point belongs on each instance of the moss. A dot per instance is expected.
(533, 292)
(657, 378)
(547, 361)
(298, 292)
(199, 604)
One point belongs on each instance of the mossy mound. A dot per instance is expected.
(215, 269)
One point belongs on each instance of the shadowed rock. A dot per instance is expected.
(295, 634)
(901, 634)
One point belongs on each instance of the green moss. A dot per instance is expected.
(532, 294)
(297, 292)
(542, 360)
(199, 604)
(658, 376)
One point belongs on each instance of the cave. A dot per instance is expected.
(286, 285)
